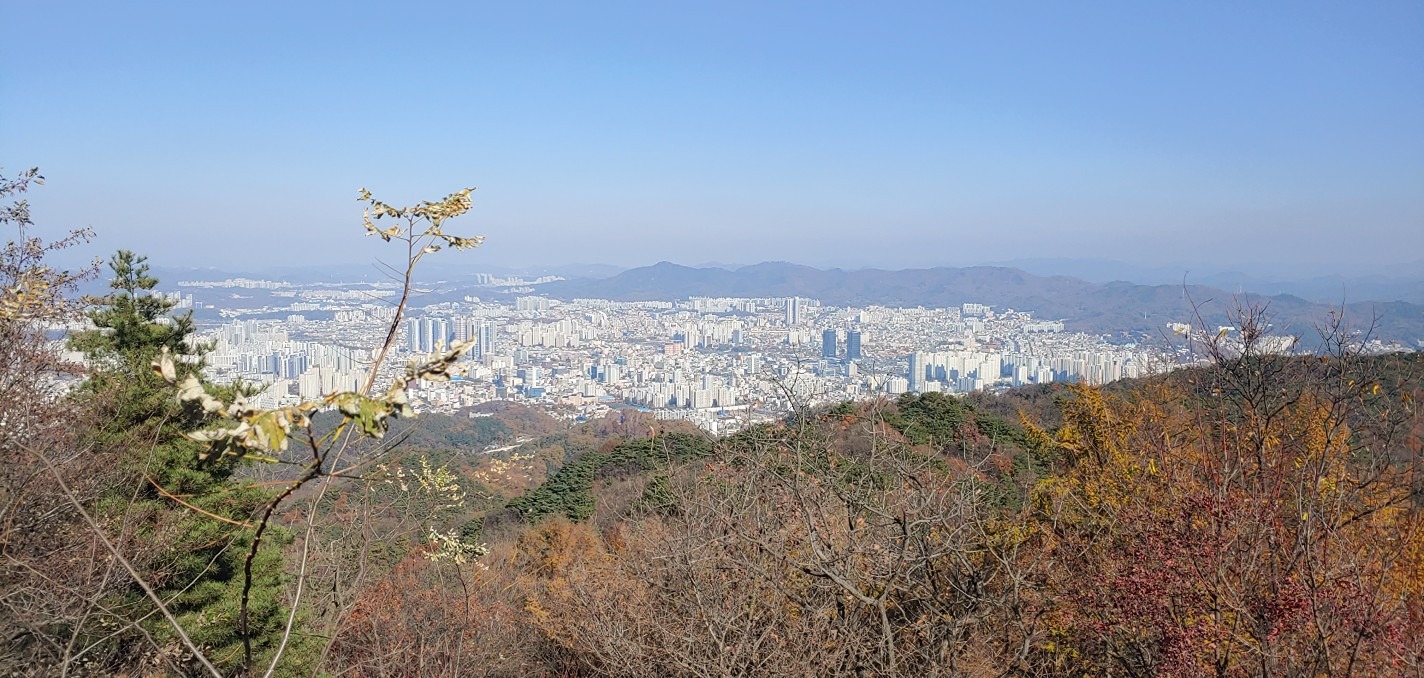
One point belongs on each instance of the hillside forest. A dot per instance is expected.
(1252, 515)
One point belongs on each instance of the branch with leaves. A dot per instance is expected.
(241, 430)
(29, 289)
(256, 433)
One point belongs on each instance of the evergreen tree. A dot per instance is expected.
(195, 514)
(133, 324)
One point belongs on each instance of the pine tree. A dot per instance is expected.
(196, 515)
(133, 323)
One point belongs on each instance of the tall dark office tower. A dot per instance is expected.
(828, 344)
(853, 345)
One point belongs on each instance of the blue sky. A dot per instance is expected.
(1203, 134)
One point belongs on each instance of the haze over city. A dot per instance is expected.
(1280, 137)
(635, 339)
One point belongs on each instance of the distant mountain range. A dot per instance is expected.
(1084, 306)
(1395, 282)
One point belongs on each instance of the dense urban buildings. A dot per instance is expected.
(718, 362)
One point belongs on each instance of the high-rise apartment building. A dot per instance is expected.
(484, 339)
(917, 373)
(440, 334)
(427, 334)
(853, 345)
(531, 304)
(793, 311)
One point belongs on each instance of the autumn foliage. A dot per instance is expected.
(1257, 516)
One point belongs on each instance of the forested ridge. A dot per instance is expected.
(1254, 515)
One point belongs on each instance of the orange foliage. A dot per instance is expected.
(1202, 539)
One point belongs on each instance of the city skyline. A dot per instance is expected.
(720, 363)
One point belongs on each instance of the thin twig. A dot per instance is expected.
(138, 579)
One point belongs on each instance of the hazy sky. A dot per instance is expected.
(887, 134)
